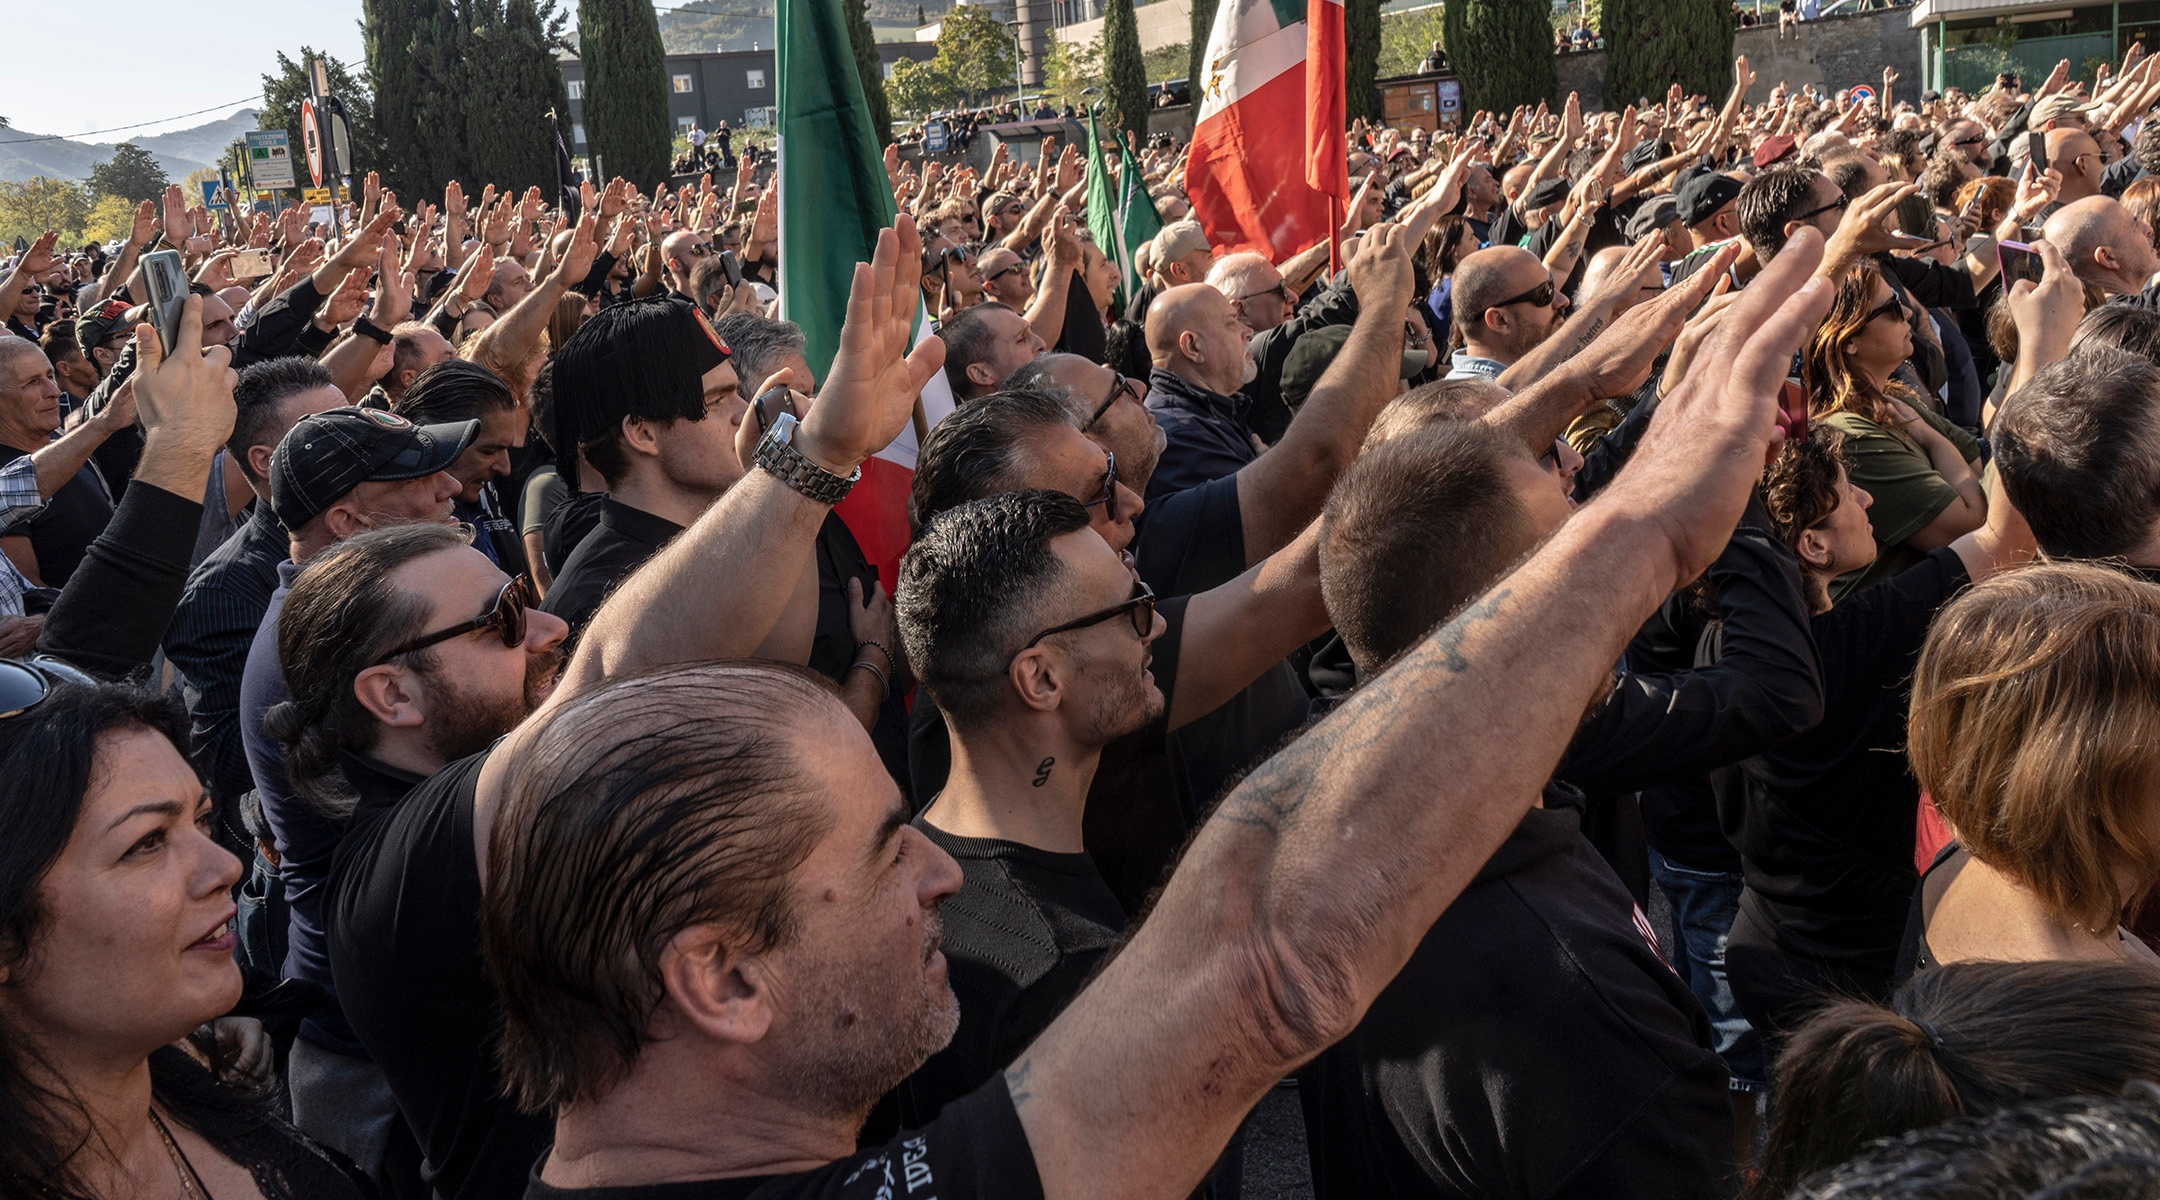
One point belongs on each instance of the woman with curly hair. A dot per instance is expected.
(1922, 470)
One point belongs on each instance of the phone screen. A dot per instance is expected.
(2018, 261)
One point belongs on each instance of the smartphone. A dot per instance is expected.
(168, 287)
(251, 264)
(2036, 150)
(2018, 261)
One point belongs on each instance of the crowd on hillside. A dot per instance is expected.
(454, 741)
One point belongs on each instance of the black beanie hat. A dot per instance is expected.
(642, 358)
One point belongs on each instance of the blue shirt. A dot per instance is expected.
(1207, 437)
(1466, 365)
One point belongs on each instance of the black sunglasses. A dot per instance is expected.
(1108, 498)
(1891, 307)
(1119, 386)
(1281, 290)
(1843, 202)
(506, 617)
(1002, 272)
(1540, 296)
(24, 684)
(1141, 608)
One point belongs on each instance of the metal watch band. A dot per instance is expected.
(777, 454)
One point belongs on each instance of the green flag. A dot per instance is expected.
(1122, 219)
(833, 193)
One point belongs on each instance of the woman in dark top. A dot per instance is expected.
(1824, 821)
(115, 944)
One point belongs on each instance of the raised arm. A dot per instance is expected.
(511, 338)
(1308, 888)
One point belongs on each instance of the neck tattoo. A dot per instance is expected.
(1042, 771)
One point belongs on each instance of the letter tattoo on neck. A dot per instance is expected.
(1042, 771)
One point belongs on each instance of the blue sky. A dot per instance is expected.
(75, 67)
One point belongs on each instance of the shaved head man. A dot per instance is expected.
(1505, 304)
(2075, 154)
(682, 251)
(1005, 278)
(1254, 288)
(1196, 336)
(2105, 245)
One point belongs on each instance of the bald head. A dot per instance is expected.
(1254, 288)
(2105, 246)
(1494, 310)
(1197, 336)
(2075, 154)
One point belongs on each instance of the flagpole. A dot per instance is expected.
(1334, 236)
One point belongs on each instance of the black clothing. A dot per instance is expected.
(110, 617)
(977, 1150)
(832, 649)
(72, 519)
(1022, 935)
(1139, 808)
(1205, 434)
(1932, 283)
(401, 912)
(1824, 822)
(2119, 175)
(1535, 1045)
(565, 528)
(621, 543)
(1083, 332)
(215, 624)
(279, 1159)
(1268, 416)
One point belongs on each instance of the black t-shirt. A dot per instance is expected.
(1022, 935)
(565, 529)
(72, 519)
(623, 541)
(1535, 1045)
(1139, 808)
(401, 913)
(975, 1150)
(832, 648)
(1824, 822)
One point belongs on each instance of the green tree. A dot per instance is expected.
(283, 92)
(976, 51)
(1203, 25)
(1071, 68)
(626, 88)
(1361, 47)
(1165, 63)
(1406, 38)
(1657, 43)
(443, 74)
(31, 207)
(1503, 51)
(130, 174)
(1125, 103)
(387, 30)
(509, 140)
(864, 42)
(918, 88)
(111, 218)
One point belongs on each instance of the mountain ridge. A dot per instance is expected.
(179, 152)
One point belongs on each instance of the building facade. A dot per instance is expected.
(739, 87)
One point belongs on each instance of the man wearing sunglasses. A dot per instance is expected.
(1005, 278)
(1506, 305)
(682, 251)
(1035, 640)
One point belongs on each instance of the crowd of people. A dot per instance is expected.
(455, 743)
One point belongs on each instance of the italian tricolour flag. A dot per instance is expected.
(1267, 170)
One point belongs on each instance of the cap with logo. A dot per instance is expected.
(328, 454)
(100, 322)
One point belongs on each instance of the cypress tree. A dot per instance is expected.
(1124, 73)
(1503, 51)
(1361, 46)
(1657, 43)
(509, 136)
(626, 88)
(863, 40)
(1203, 25)
(443, 81)
(386, 31)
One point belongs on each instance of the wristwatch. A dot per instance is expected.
(776, 453)
(368, 329)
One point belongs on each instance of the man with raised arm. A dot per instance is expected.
(703, 897)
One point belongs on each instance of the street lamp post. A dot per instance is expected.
(1019, 60)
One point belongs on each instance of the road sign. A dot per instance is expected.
(934, 137)
(270, 158)
(1862, 94)
(315, 195)
(211, 199)
(311, 136)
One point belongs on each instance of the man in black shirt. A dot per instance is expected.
(1034, 639)
(696, 906)
(645, 392)
(46, 547)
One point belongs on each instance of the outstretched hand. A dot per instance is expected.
(869, 395)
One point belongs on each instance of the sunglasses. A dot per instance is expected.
(1540, 296)
(24, 684)
(1002, 272)
(1842, 203)
(1108, 498)
(1891, 307)
(1280, 291)
(1141, 610)
(1119, 386)
(506, 617)
(1013, 210)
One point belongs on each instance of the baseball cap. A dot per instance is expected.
(1544, 195)
(2055, 106)
(1310, 355)
(1773, 149)
(96, 324)
(328, 454)
(1647, 151)
(1659, 212)
(1700, 195)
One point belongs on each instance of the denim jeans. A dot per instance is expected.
(1703, 906)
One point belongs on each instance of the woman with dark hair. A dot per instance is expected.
(1824, 821)
(1922, 470)
(116, 943)
(1964, 1041)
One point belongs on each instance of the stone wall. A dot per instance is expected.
(1834, 52)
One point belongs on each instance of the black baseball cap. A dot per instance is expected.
(1545, 195)
(97, 323)
(328, 454)
(1651, 217)
(1702, 194)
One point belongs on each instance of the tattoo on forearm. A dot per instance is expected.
(1584, 338)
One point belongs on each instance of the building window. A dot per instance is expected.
(577, 133)
(682, 83)
(888, 71)
(577, 89)
(683, 124)
(756, 79)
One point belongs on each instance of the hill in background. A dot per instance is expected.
(179, 152)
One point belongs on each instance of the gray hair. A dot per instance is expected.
(757, 344)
